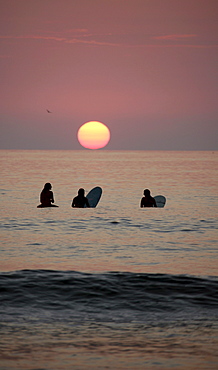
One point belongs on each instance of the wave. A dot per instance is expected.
(114, 292)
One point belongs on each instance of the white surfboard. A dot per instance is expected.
(160, 201)
(94, 196)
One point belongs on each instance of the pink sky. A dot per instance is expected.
(145, 68)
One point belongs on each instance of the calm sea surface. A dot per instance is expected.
(115, 287)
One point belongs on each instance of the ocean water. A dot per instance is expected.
(115, 287)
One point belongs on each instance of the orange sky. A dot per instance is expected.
(145, 68)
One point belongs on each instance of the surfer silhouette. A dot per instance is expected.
(80, 200)
(46, 197)
(148, 200)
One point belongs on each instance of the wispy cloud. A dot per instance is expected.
(174, 37)
(32, 37)
(68, 40)
(82, 36)
(92, 42)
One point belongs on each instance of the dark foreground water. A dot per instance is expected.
(67, 319)
(113, 287)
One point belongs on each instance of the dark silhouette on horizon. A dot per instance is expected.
(46, 197)
(48, 111)
(80, 200)
(148, 200)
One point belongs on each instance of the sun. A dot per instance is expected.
(93, 135)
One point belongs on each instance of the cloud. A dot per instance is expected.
(75, 40)
(32, 37)
(92, 42)
(174, 37)
(83, 37)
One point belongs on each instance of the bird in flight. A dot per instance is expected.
(48, 111)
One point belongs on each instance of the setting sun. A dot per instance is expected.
(93, 135)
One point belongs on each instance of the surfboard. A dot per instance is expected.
(94, 196)
(160, 201)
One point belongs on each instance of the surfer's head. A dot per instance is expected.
(47, 186)
(147, 193)
(81, 192)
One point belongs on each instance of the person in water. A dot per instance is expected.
(47, 197)
(148, 200)
(80, 200)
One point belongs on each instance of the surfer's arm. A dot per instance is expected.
(41, 198)
(142, 203)
(51, 197)
(87, 203)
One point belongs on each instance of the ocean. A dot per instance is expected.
(117, 286)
